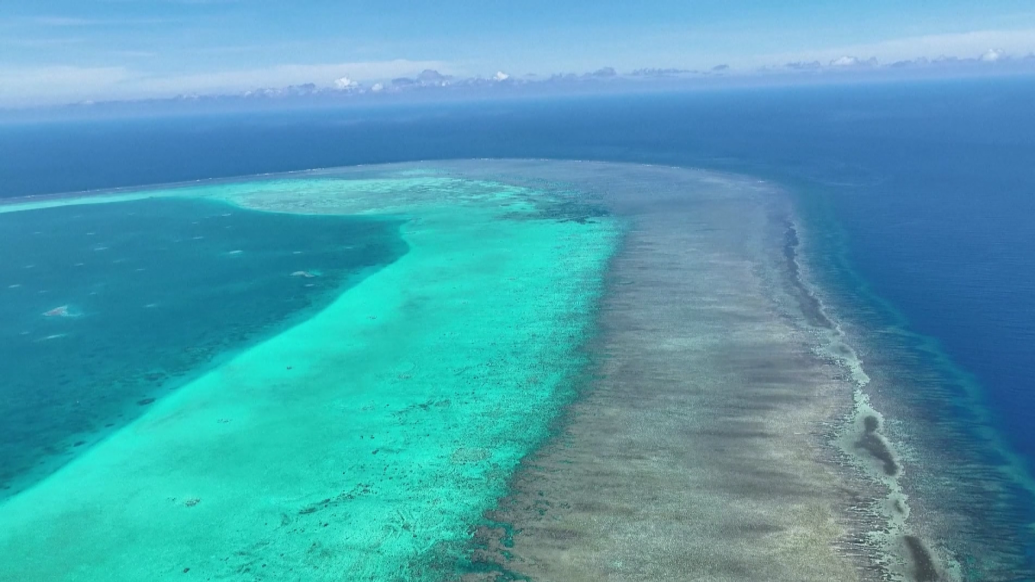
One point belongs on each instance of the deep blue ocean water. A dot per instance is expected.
(928, 189)
(185, 281)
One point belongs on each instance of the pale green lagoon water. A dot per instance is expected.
(108, 307)
(364, 442)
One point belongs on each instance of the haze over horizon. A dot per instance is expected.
(63, 51)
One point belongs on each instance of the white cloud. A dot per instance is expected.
(282, 75)
(992, 55)
(847, 61)
(344, 83)
(501, 76)
(844, 62)
(63, 84)
(961, 45)
(57, 84)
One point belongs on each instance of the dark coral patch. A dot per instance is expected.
(873, 443)
(871, 423)
(924, 569)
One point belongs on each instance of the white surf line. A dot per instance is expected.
(894, 507)
(1015, 469)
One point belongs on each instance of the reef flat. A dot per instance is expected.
(363, 442)
(732, 430)
(698, 451)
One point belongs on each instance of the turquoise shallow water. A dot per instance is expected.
(141, 295)
(363, 442)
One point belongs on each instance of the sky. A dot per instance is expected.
(61, 51)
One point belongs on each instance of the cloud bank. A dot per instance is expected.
(931, 47)
(977, 52)
(51, 85)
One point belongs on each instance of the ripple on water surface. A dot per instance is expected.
(126, 298)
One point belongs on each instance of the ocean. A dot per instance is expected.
(917, 200)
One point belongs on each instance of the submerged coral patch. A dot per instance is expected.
(874, 443)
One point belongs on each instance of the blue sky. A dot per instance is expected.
(55, 51)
